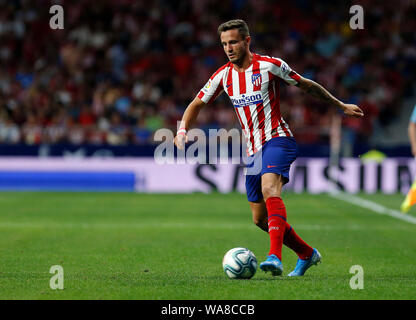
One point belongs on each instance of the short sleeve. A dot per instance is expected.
(213, 88)
(281, 69)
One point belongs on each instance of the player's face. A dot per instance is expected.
(234, 45)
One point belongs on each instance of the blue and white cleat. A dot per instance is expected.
(303, 265)
(272, 264)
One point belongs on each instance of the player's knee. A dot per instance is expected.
(270, 191)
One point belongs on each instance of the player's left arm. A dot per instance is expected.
(318, 91)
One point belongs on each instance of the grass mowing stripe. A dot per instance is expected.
(143, 246)
(242, 226)
(375, 207)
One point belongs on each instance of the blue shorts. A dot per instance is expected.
(275, 156)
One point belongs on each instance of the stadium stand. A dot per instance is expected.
(120, 70)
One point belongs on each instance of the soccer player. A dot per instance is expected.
(410, 199)
(252, 83)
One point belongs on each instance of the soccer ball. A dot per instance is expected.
(239, 263)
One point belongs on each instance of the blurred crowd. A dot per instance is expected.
(120, 70)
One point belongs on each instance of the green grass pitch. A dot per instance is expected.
(146, 246)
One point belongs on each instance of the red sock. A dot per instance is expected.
(276, 212)
(294, 242)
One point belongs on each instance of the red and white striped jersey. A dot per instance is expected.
(255, 96)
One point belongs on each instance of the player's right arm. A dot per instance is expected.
(212, 89)
(188, 118)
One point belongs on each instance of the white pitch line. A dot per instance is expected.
(364, 203)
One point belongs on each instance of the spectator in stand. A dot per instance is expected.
(120, 69)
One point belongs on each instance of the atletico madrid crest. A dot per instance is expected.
(256, 79)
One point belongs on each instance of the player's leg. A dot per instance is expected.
(259, 213)
(278, 155)
(255, 199)
(281, 232)
(290, 238)
(410, 199)
(271, 186)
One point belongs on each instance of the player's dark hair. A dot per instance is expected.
(239, 24)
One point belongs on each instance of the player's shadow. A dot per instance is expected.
(265, 278)
(256, 279)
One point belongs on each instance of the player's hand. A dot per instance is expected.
(352, 110)
(180, 141)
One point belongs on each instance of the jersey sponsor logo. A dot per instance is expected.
(246, 100)
(256, 79)
(208, 85)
